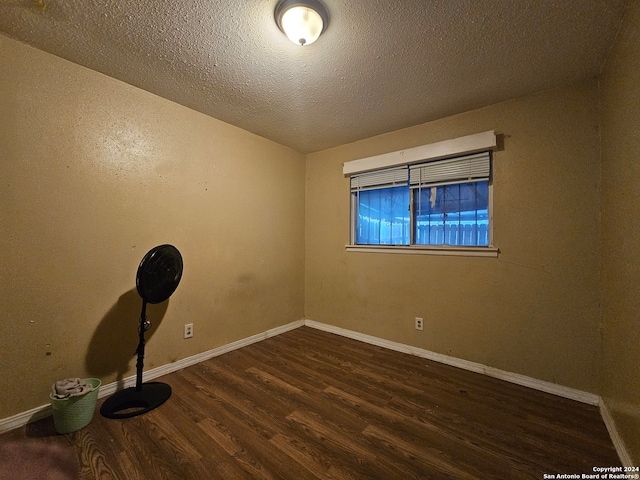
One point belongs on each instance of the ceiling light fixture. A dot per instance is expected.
(301, 20)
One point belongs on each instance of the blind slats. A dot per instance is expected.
(383, 178)
(469, 168)
(453, 170)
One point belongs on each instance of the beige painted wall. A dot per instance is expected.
(535, 309)
(94, 174)
(620, 101)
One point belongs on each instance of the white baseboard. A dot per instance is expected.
(43, 411)
(21, 419)
(618, 443)
(548, 387)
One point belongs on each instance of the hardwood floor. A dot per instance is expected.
(309, 404)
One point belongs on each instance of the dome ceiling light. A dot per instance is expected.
(301, 20)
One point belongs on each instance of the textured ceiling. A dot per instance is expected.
(380, 66)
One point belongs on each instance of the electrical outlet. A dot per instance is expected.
(188, 330)
(419, 323)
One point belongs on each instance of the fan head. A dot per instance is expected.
(159, 273)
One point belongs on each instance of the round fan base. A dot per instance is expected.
(134, 401)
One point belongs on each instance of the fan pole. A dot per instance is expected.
(144, 326)
(143, 397)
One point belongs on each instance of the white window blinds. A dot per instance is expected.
(392, 177)
(470, 168)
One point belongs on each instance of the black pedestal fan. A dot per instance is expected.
(158, 277)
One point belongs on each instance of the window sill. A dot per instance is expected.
(426, 250)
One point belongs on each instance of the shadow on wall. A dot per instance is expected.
(113, 345)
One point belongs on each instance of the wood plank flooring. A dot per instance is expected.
(312, 405)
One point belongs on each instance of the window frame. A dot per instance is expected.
(484, 142)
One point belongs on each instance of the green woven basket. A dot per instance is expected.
(73, 413)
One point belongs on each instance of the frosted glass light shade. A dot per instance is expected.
(302, 25)
(301, 21)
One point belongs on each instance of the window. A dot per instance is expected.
(382, 202)
(383, 217)
(455, 214)
(430, 204)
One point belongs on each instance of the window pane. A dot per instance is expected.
(383, 216)
(452, 214)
